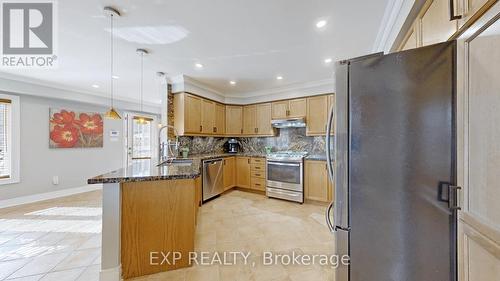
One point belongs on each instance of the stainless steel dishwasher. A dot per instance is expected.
(213, 184)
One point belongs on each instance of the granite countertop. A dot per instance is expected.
(146, 170)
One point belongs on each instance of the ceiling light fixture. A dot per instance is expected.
(141, 53)
(279, 78)
(112, 113)
(232, 82)
(328, 60)
(95, 86)
(115, 77)
(321, 24)
(198, 65)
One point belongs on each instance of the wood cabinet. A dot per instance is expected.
(258, 173)
(478, 158)
(234, 120)
(187, 112)
(317, 115)
(436, 24)
(317, 186)
(411, 39)
(263, 119)
(289, 109)
(249, 120)
(243, 172)
(229, 172)
(207, 117)
(220, 119)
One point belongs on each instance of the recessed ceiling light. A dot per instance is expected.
(328, 60)
(198, 65)
(232, 82)
(321, 23)
(115, 77)
(279, 77)
(95, 86)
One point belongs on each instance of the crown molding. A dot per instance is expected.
(394, 17)
(27, 86)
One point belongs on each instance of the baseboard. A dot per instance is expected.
(48, 195)
(111, 274)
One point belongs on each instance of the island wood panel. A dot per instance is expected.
(156, 216)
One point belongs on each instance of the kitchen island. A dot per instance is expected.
(149, 216)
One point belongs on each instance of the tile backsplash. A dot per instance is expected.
(294, 139)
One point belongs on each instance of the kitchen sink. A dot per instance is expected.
(177, 162)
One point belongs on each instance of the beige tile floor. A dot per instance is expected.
(60, 239)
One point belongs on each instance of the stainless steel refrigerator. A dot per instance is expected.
(392, 159)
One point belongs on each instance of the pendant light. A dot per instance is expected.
(141, 53)
(112, 113)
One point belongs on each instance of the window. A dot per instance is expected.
(141, 142)
(5, 133)
(9, 139)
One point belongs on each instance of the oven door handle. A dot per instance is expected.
(283, 164)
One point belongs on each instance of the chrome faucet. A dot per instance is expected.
(170, 153)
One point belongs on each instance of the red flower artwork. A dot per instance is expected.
(90, 124)
(66, 131)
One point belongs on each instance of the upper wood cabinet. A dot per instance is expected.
(249, 120)
(317, 186)
(263, 119)
(317, 115)
(436, 24)
(411, 39)
(234, 120)
(289, 109)
(207, 117)
(187, 112)
(243, 172)
(220, 119)
(229, 172)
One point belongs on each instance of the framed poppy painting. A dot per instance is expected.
(71, 129)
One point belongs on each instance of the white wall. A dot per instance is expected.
(39, 163)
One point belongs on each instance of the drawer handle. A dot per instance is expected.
(258, 175)
(258, 184)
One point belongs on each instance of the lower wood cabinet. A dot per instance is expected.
(243, 172)
(229, 172)
(317, 186)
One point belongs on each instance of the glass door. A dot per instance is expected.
(141, 137)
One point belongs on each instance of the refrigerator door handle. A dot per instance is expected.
(328, 145)
(329, 223)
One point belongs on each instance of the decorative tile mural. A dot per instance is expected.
(70, 129)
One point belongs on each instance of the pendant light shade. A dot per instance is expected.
(112, 113)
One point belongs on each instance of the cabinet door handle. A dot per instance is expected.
(201, 128)
(241, 131)
(215, 129)
(248, 160)
(452, 11)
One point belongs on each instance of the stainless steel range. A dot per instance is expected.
(285, 175)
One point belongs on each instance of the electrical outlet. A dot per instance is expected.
(55, 180)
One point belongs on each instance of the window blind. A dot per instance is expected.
(5, 130)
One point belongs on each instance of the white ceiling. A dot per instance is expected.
(250, 42)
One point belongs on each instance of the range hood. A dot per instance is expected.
(289, 123)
